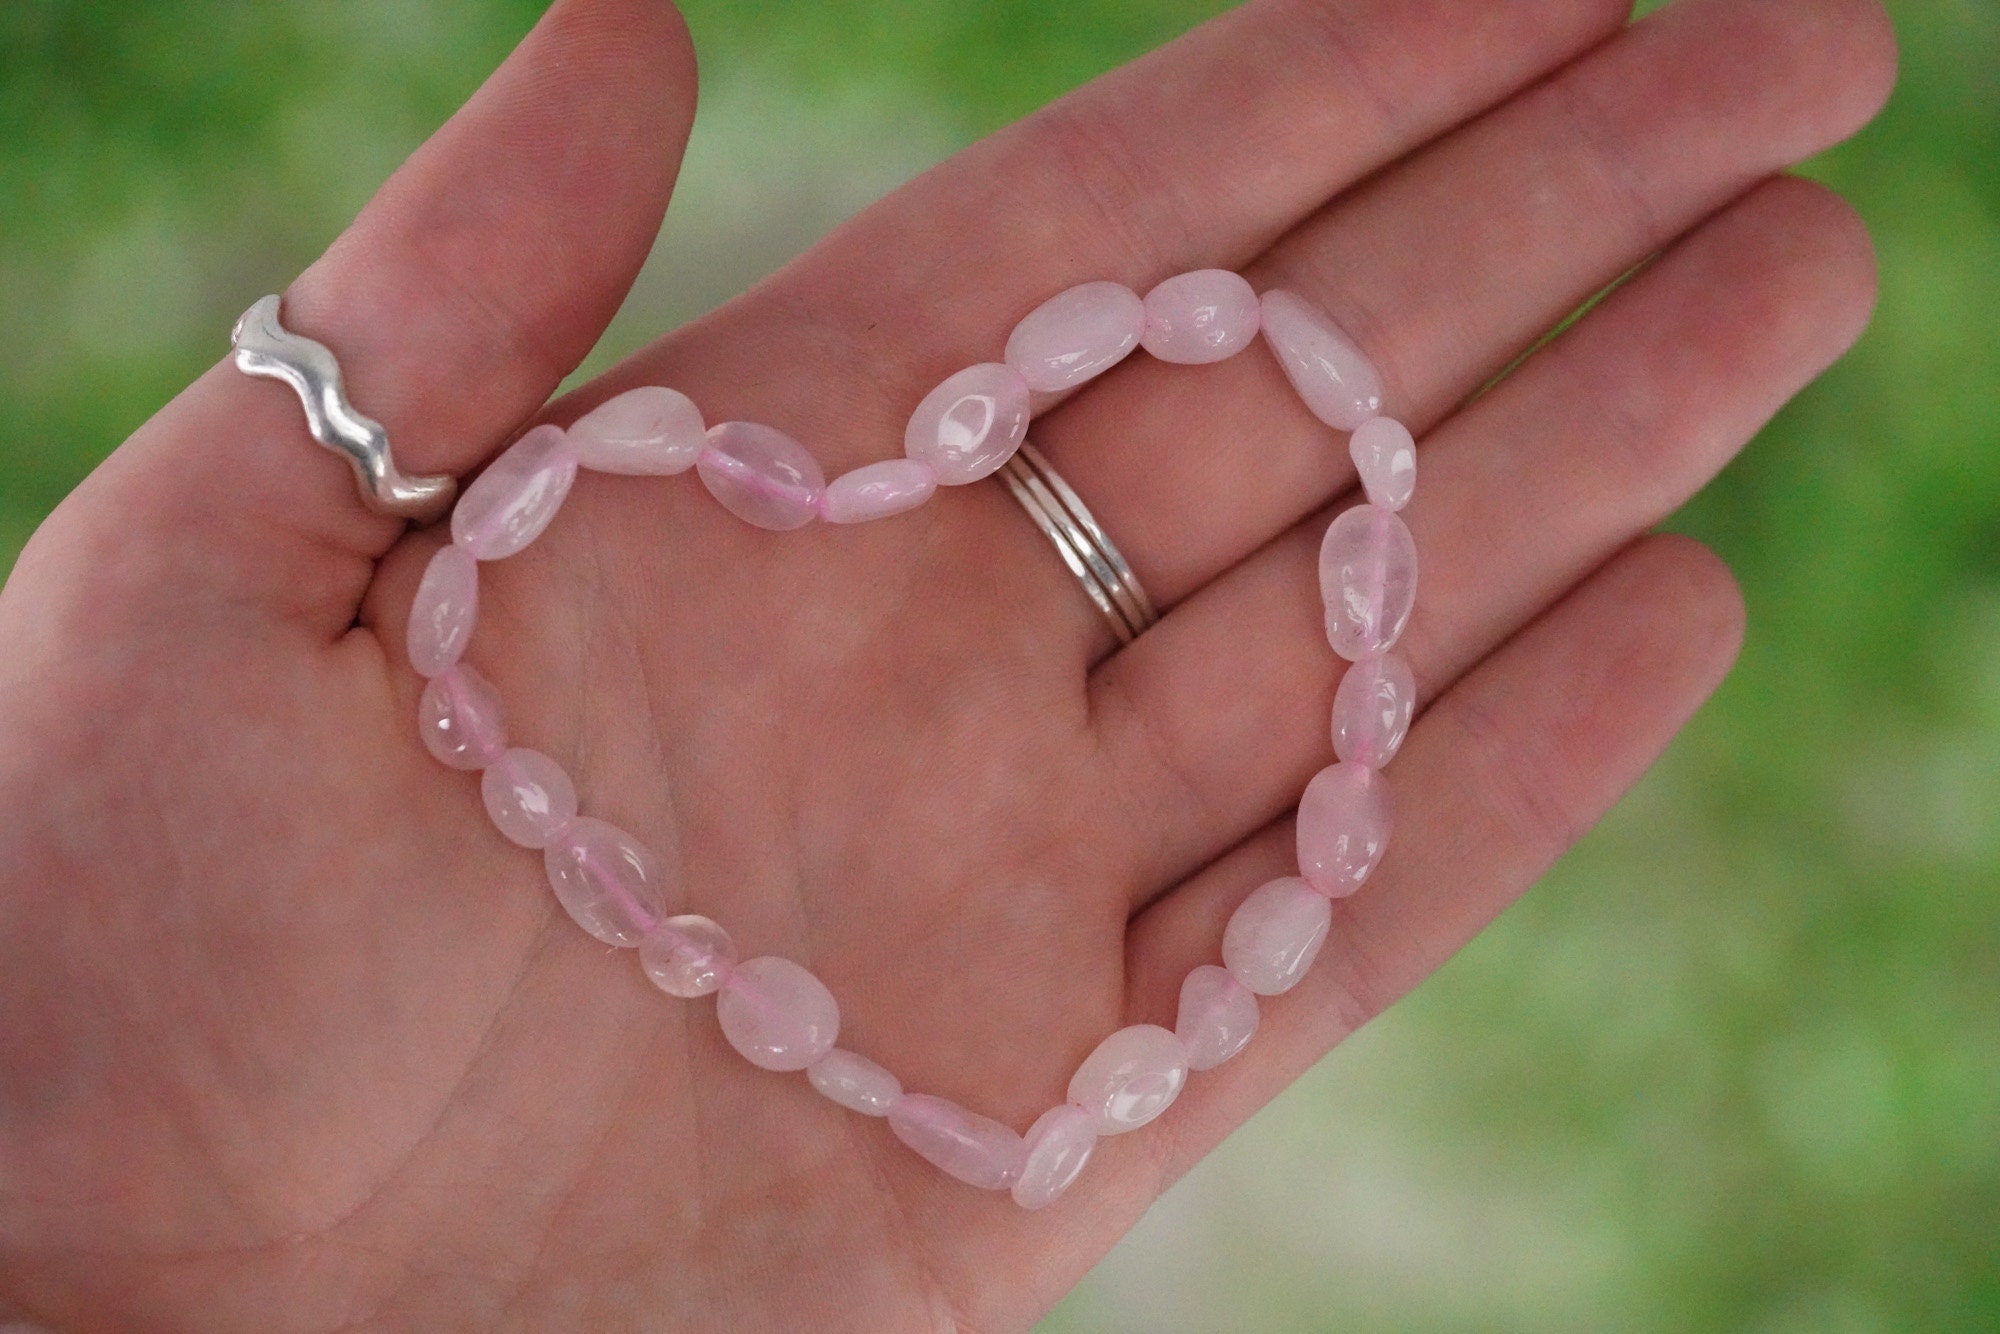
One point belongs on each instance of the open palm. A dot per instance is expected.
(294, 1040)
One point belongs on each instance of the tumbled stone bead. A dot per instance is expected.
(1274, 935)
(855, 1082)
(1385, 455)
(970, 424)
(1218, 1016)
(1078, 333)
(877, 491)
(1372, 708)
(777, 1015)
(1368, 576)
(459, 719)
(1057, 1147)
(687, 956)
(446, 606)
(528, 796)
(1337, 382)
(976, 1149)
(651, 431)
(761, 475)
(609, 881)
(1198, 317)
(509, 504)
(1133, 1076)
(1343, 827)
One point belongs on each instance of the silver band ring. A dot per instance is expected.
(265, 347)
(1081, 542)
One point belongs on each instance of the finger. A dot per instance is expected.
(1197, 154)
(1448, 265)
(1215, 719)
(461, 295)
(1504, 773)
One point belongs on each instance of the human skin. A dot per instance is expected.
(290, 1039)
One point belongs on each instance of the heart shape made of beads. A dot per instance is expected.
(770, 1009)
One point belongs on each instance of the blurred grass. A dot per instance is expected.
(1736, 1065)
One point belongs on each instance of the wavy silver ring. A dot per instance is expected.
(264, 347)
(1081, 542)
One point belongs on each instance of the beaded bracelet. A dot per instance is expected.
(771, 1010)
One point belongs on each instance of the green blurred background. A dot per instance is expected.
(1736, 1065)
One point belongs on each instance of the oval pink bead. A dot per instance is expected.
(877, 491)
(855, 1082)
(1198, 317)
(1372, 709)
(1385, 454)
(1076, 334)
(1133, 1076)
(976, 1149)
(1057, 1147)
(1336, 380)
(446, 606)
(459, 719)
(761, 475)
(1368, 576)
(971, 424)
(1275, 934)
(528, 796)
(1218, 1016)
(610, 882)
(687, 956)
(1343, 827)
(776, 1014)
(509, 504)
(651, 431)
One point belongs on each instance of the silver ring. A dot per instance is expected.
(264, 347)
(1081, 542)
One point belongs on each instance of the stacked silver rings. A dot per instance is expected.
(1080, 541)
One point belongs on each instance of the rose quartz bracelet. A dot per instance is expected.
(774, 1012)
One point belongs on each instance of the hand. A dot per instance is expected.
(294, 1040)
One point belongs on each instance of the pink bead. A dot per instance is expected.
(1368, 576)
(1385, 454)
(761, 475)
(650, 431)
(777, 1015)
(687, 956)
(1372, 709)
(1275, 934)
(509, 504)
(1218, 1016)
(1335, 378)
(1133, 1076)
(446, 606)
(970, 424)
(1058, 1145)
(1200, 317)
(1076, 334)
(459, 719)
(877, 491)
(855, 1082)
(610, 882)
(1343, 827)
(976, 1149)
(528, 796)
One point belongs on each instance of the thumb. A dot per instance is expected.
(481, 274)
